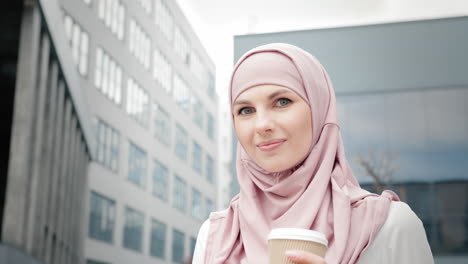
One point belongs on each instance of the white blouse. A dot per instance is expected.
(401, 240)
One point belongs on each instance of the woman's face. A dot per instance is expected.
(274, 126)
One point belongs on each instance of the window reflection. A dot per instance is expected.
(426, 131)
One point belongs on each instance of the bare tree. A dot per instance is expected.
(380, 166)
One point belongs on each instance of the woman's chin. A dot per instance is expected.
(274, 167)
(279, 165)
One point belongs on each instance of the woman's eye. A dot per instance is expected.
(282, 102)
(245, 111)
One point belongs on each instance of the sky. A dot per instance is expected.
(217, 21)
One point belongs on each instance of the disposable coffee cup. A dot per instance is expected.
(281, 240)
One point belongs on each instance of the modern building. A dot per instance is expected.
(47, 139)
(402, 95)
(150, 88)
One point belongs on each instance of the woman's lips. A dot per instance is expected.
(270, 145)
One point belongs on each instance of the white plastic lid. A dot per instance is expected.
(298, 234)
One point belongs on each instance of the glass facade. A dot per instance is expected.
(210, 126)
(197, 67)
(181, 45)
(197, 157)
(162, 71)
(164, 20)
(146, 5)
(101, 218)
(138, 102)
(178, 246)
(181, 93)
(158, 239)
(133, 229)
(211, 85)
(139, 44)
(197, 212)
(89, 261)
(180, 194)
(108, 76)
(209, 207)
(193, 243)
(112, 14)
(136, 165)
(107, 146)
(79, 43)
(210, 169)
(197, 111)
(181, 144)
(160, 181)
(162, 125)
(417, 144)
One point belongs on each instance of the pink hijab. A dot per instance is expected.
(321, 193)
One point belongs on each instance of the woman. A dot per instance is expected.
(293, 172)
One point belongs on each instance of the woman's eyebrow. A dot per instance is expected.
(282, 91)
(271, 96)
(241, 102)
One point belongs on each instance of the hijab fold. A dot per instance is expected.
(321, 193)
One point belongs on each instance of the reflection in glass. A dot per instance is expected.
(424, 133)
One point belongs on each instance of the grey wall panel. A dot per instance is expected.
(18, 182)
(64, 175)
(34, 224)
(48, 161)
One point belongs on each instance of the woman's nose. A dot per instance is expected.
(263, 123)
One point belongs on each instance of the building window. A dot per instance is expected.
(197, 212)
(193, 243)
(108, 77)
(112, 14)
(181, 45)
(139, 44)
(164, 20)
(107, 144)
(158, 239)
(162, 70)
(210, 126)
(197, 68)
(137, 165)
(79, 42)
(146, 5)
(160, 181)
(178, 243)
(133, 229)
(210, 170)
(181, 144)
(89, 261)
(180, 194)
(211, 85)
(162, 125)
(137, 102)
(101, 218)
(197, 111)
(181, 93)
(209, 207)
(197, 157)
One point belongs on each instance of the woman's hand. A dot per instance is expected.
(302, 257)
